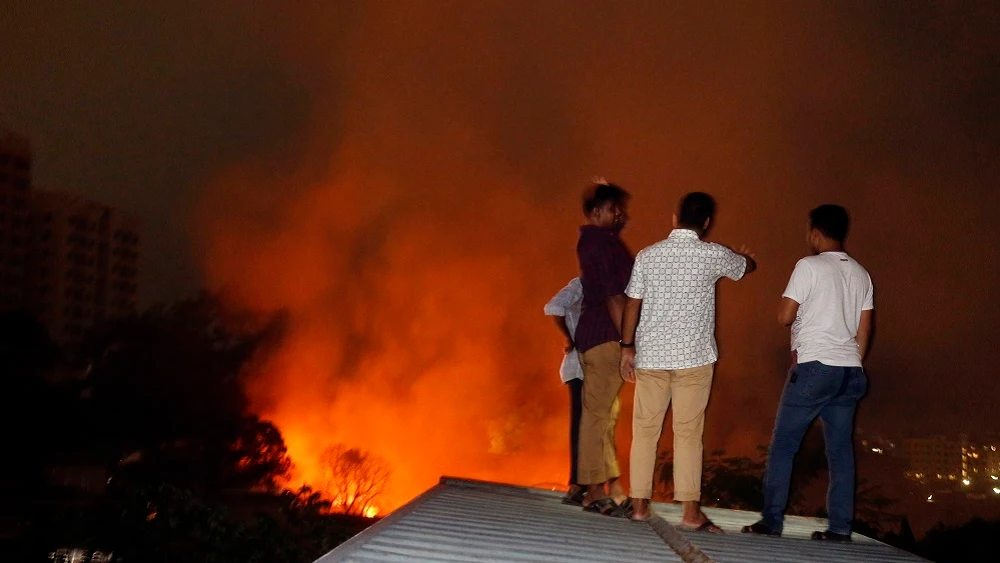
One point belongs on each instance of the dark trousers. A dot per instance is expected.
(575, 410)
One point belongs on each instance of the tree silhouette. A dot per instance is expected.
(260, 457)
(168, 385)
(353, 478)
(872, 508)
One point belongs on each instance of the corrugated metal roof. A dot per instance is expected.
(794, 545)
(461, 520)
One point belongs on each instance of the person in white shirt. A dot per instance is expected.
(565, 307)
(829, 305)
(669, 351)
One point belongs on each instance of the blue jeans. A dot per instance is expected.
(831, 393)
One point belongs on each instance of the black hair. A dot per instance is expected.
(695, 208)
(831, 220)
(600, 194)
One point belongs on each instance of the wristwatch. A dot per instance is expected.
(624, 344)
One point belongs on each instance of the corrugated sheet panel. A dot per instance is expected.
(461, 520)
(794, 544)
(467, 521)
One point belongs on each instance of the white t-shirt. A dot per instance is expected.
(568, 303)
(831, 289)
(675, 278)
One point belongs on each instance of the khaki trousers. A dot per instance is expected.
(601, 383)
(654, 389)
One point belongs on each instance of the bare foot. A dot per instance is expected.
(694, 522)
(700, 524)
(640, 509)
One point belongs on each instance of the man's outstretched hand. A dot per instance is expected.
(750, 256)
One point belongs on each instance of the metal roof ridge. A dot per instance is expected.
(683, 547)
(496, 487)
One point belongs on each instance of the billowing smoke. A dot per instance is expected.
(430, 207)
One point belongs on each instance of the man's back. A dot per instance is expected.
(832, 289)
(675, 278)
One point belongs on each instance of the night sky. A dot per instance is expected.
(288, 153)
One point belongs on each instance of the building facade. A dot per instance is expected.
(69, 261)
(82, 266)
(935, 458)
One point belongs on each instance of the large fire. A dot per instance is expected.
(428, 209)
(416, 330)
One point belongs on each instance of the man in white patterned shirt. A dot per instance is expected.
(669, 351)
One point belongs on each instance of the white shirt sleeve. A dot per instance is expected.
(733, 265)
(567, 298)
(636, 286)
(869, 297)
(800, 283)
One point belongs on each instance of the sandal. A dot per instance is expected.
(623, 510)
(706, 526)
(831, 536)
(600, 506)
(760, 529)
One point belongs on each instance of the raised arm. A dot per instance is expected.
(735, 264)
(751, 259)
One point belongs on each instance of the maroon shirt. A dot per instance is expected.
(605, 268)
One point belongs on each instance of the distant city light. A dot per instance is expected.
(877, 450)
(966, 482)
(930, 498)
(994, 477)
(996, 490)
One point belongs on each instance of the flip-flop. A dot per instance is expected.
(600, 506)
(706, 526)
(623, 510)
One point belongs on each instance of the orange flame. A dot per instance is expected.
(416, 332)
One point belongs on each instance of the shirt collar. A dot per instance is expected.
(686, 234)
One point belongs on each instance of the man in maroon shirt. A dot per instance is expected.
(605, 267)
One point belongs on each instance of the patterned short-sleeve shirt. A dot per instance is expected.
(676, 278)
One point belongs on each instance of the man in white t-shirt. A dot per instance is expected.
(828, 304)
(669, 351)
